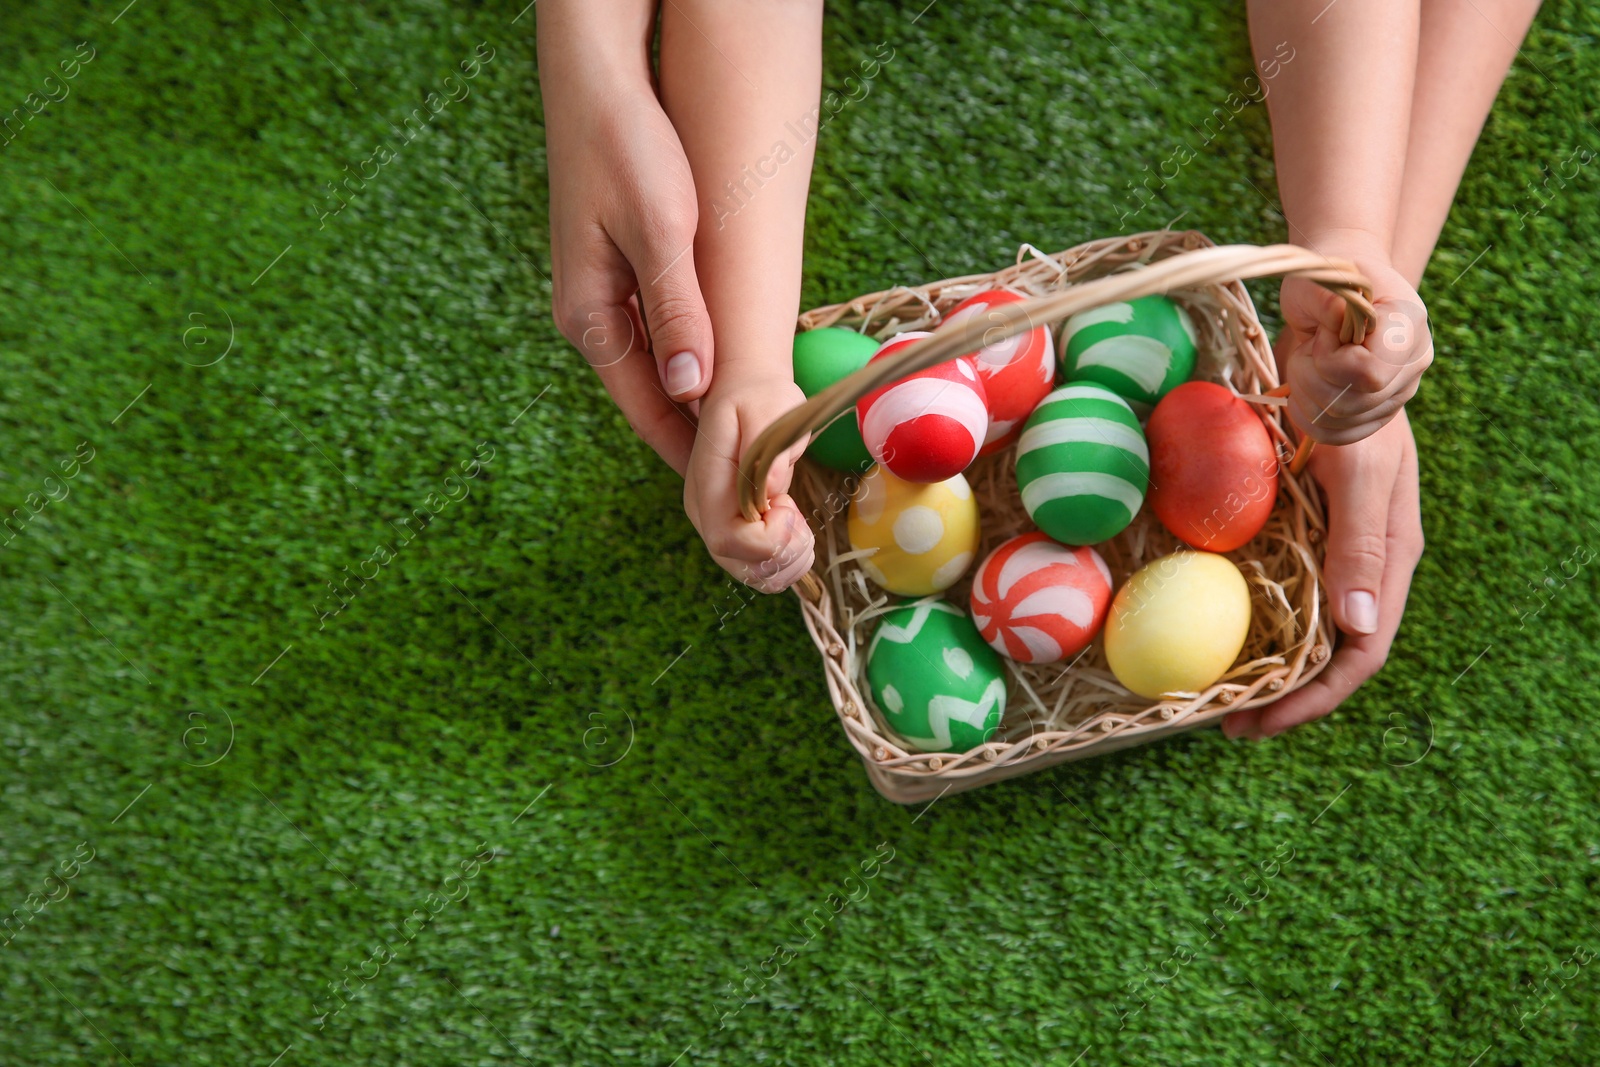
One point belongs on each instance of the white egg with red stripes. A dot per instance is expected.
(927, 426)
(1038, 601)
(1017, 371)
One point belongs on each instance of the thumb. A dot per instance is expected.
(675, 314)
(1308, 308)
(781, 475)
(1358, 525)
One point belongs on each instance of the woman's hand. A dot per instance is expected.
(1374, 542)
(1352, 397)
(769, 555)
(1341, 393)
(623, 216)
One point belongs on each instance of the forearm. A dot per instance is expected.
(1462, 58)
(740, 82)
(586, 44)
(1340, 113)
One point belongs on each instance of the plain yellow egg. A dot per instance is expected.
(923, 535)
(1178, 624)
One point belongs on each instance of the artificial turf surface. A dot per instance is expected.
(1424, 862)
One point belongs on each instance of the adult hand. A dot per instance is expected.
(623, 215)
(1341, 393)
(1374, 542)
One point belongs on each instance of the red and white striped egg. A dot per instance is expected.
(1038, 601)
(1017, 372)
(926, 427)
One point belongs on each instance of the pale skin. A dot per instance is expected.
(1385, 213)
(638, 240)
(633, 177)
(735, 80)
(622, 207)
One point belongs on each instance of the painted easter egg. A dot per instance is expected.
(822, 357)
(1178, 624)
(930, 425)
(1037, 601)
(933, 679)
(925, 534)
(1213, 471)
(1017, 372)
(1082, 464)
(1140, 350)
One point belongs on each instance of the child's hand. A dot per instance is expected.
(769, 555)
(1341, 393)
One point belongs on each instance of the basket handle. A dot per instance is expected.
(1182, 270)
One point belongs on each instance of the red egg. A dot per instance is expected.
(1213, 470)
(1038, 601)
(1017, 372)
(929, 426)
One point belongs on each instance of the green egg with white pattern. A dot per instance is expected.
(1082, 464)
(1140, 350)
(934, 679)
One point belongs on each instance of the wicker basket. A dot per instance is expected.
(1059, 712)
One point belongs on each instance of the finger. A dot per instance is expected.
(1341, 414)
(595, 310)
(1356, 660)
(1343, 392)
(1309, 308)
(785, 578)
(1241, 724)
(711, 499)
(1359, 658)
(1360, 485)
(792, 560)
(634, 384)
(1311, 419)
(1400, 337)
(781, 475)
(1397, 348)
(674, 310)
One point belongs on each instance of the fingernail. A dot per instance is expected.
(683, 373)
(1361, 611)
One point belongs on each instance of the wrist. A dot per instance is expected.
(730, 375)
(1345, 242)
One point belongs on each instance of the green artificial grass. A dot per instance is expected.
(533, 792)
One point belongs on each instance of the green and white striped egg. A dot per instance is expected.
(1082, 464)
(933, 677)
(1140, 349)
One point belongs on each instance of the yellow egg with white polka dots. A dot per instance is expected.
(922, 536)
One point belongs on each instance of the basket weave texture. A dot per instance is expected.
(1067, 711)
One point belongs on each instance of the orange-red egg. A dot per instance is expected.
(1213, 470)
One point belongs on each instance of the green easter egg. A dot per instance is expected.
(822, 357)
(1082, 464)
(1140, 349)
(934, 678)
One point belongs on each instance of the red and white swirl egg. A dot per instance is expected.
(928, 426)
(1038, 601)
(1017, 372)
